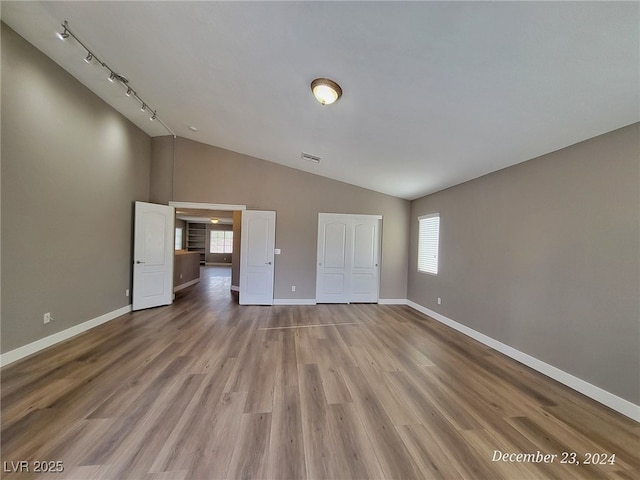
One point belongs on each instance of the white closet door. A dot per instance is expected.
(333, 270)
(364, 265)
(348, 258)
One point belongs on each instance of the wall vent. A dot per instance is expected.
(309, 157)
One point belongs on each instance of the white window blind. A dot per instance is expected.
(178, 238)
(221, 241)
(428, 240)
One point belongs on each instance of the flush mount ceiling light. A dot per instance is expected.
(326, 91)
(215, 220)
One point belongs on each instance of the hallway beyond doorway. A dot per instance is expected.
(214, 285)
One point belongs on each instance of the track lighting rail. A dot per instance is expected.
(114, 76)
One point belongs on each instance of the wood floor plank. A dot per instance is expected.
(71, 445)
(184, 446)
(214, 448)
(318, 451)
(118, 401)
(481, 442)
(335, 388)
(286, 454)
(207, 389)
(250, 455)
(181, 475)
(458, 451)
(581, 443)
(610, 436)
(132, 424)
(455, 407)
(262, 378)
(288, 367)
(304, 349)
(138, 460)
(389, 448)
(393, 405)
(355, 456)
(551, 443)
(508, 439)
(431, 459)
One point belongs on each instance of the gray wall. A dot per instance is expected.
(544, 256)
(161, 188)
(207, 174)
(71, 168)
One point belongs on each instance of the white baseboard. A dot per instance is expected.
(31, 348)
(185, 285)
(392, 301)
(294, 301)
(618, 404)
(312, 301)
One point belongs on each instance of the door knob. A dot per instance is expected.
(267, 263)
(138, 261)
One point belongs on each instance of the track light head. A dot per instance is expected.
(63, 35)
(116, 77)
(129, 92)
(144, 107)
(89, 57)
(153, 117)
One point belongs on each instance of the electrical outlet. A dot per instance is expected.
(46, 318)
(126, 292)
(293, 288)
(439, 301)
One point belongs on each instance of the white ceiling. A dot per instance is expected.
(435, 93)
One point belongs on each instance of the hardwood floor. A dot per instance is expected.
(206, 389)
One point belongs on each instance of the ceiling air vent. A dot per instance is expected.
(311, 158)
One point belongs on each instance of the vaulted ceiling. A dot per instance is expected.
(435, 93)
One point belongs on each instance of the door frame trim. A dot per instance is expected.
(207, 206)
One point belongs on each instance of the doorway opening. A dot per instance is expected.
(207, 247)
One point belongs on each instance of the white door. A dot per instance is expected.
(348, 258)
(153, 252)
(257, 244)
(364, 265)
(333, 270)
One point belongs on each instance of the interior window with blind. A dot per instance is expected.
(428, 240)
(221, 241)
